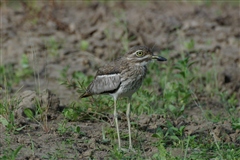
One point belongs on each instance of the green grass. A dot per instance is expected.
(179, 86)
(170, 89)
(53, 46)
(11, 74)
(10, 153)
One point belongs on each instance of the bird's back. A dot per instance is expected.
(118, 77)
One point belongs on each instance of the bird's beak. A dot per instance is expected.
(159, 58)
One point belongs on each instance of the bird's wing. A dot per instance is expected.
(107, 80)
(106, 83)
(103, 84)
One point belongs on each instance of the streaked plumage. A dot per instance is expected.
(122, 78)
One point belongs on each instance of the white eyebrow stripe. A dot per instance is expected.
(139, 58)
(138, 51)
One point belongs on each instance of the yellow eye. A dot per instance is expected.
(139, 53)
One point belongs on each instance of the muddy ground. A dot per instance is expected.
(85, 35)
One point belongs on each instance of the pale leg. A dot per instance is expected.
(116, 121)
(129, 124)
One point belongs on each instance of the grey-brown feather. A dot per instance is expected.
(104, 84)
(121, 77)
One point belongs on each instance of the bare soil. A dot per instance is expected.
(26, 29)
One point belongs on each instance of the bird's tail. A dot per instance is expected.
(85, 94)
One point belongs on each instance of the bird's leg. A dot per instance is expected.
(116, 121)
(129, 124)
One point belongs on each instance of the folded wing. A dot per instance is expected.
(103, 84)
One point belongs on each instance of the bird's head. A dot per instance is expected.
(141, 55)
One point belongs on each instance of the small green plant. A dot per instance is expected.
(174, 134)
(62, 129)
(232, 100)
(25, 70)
(189, 45)
(71, 113)
(32, 147)
(77, 130)
(10, 75)
(162, 151)
(177, 93)
(53, 46)
(104, 138)
(9, 124)
(11, 154)
(58, 153)
(7, 151)
(236, 123)
(84, 45)
(78, 80)
(7, 117)
(39, 115)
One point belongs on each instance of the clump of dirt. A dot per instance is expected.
(46, 103)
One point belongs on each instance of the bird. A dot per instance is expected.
(122, 78)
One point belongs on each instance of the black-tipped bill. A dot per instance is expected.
(159, 58)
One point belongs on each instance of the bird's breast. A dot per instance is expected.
(131, 80)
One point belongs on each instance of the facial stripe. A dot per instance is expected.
(139, 58)
(143, 63)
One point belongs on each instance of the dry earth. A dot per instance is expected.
(26, 29)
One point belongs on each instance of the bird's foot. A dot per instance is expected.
(127, 150)
(123, 149)
(132, 150)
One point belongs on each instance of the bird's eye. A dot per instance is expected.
(139, 53)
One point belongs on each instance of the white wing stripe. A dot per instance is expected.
(108, 75)
(105, 83)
